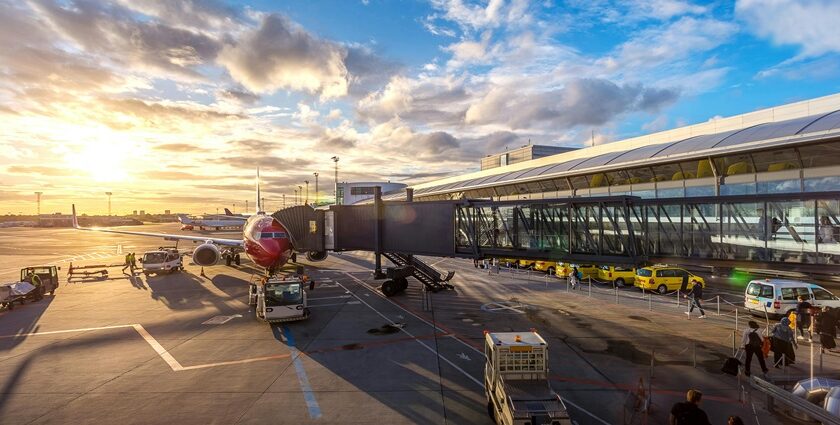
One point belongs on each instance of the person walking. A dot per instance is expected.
(826, 324)
(803, 317)
(751, 341)
(127, 262)
(574, 275)
(695, 295)
(783, 342)
(132, 263)
(689, 412)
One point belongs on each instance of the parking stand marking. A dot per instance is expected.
(308, 395)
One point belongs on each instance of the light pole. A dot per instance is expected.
(109, 202)
(38, 196)
(316, 189)
(307, 192)
(246, 206)
(335, 159)
(284, 201)
(234, 207)
(262, 202)
(295, 199)
(300, 193)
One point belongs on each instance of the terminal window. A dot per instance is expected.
(361, 190)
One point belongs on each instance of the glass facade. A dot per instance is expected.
(758, 229)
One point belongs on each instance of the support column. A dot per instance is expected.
(377, 232)
(409, 197)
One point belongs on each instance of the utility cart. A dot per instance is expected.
(516, 381)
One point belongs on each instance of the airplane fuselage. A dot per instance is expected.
(267, 242)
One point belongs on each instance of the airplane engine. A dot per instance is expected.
(206, 254)
(316, 255)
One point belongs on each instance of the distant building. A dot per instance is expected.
(351, 193)
(166, 212)
(142, 212)
(134, 212)
(525, 153)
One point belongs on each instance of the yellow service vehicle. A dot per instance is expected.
(526, 264)
(618, 276)
(516, 381)
(664, 278)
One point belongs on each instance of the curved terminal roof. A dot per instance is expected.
(756, 137)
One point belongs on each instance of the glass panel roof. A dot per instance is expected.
(563, 166)
(827, 122)
(770, 130)
(536, 171)
(643, 152)
(695, 143)
(597, 161)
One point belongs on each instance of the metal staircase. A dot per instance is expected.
(408, 265)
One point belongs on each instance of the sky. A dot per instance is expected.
(173, 104)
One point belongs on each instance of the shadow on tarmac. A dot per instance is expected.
(24, 320)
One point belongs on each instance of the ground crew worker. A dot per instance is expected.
(133, 261)
(127, 263)
(34, 279)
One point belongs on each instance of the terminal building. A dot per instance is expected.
(351, 193)
(758, 187)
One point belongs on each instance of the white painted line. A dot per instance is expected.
(328, 298)
(162, 352)
(333, 305)
(410, 312)
(158, 348)
(465, 373)
(220, 320)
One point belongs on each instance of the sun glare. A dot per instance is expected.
(104, 162)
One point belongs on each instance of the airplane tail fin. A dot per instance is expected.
(75, 219)
(228, 212)
(259, 198)
(184, 219)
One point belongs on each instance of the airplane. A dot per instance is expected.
(213, 223)
(264, 240)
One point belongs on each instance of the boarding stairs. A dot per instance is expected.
(409, 265)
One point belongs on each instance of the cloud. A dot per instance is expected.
(476, 17)
(41, 170)
(809, 24)
(176, 175)
(177, 147)
(280, 54)
(193, 14)
(242, 96)
(115, 32)
(580, 102)
(256, 145)
(682, 39)
(153, 113)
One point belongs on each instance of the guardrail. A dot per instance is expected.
(777, 394)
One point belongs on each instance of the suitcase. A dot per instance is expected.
(730, 366)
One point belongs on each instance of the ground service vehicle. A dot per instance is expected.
(618, 276)
(779, 296)
(516, 380)
(49, 280)
(525, 264)
(280, 299)
(664, 278)
(164, 260)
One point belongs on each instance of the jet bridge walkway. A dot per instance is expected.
(789, 231)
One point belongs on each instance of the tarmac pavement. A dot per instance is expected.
(187, 348)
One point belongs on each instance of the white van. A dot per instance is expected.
(779, 296)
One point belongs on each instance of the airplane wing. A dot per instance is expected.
(168, 237)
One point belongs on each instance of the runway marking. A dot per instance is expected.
(335, 304)
(220, 320)
(159, 349)
(508, 307)
(308, 394)
(328, 298)
(440, 356)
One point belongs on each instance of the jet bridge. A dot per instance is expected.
(790, 232)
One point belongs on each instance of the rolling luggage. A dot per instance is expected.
(731, 365)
